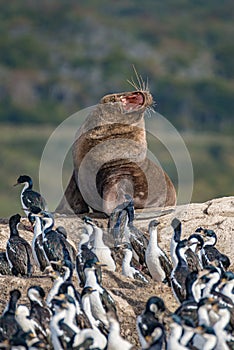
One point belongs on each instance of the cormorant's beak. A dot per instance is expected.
(148, 338)
(199, 329)
(16, 184)
(49, 271)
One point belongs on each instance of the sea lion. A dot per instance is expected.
(110, 159)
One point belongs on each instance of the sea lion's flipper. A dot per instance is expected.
(145, 181)
(72, 201)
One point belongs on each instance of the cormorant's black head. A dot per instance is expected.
(89, 264)
(205, 301)
(209, 233)
(62, 230)
(181, 247)
(188, 322)
(14, 220)
(87, 291)
(92, 263)
(228, 275)
(182, 244)
(127, 245)
(177, 319)
(153, 224)
(23, 179)
(176, 224)
(34, 209)
(15, 294)
(84, 247)
(203, 329)
(128, 197)
(68, 288)
(37, 291)
(87, 220)
(197, 237)
(33, 212)
(31, 218)
(199, 229)
(155, 305)
(47, 214)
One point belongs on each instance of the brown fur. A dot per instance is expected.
(112, 142)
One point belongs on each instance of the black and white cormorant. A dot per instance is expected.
(227, 287)
(220, 327)
(29, 197)
(101, 250)
(127, 267)
(63, 274)
(39, 311)
(118, 217)
(59, 306)
(55, 245)
(18, 250)
(8, 324)
(75, 335)
(86, 306)
(176, 333)
(180, 272)
(210, 253)
(189, 307)
(82, 320)
(22, 316)
(175, 238)
(210, 276)
(100, 300)
(125, 231)
(70, 244)
(158, 263)
(149, 320)
(208, 335)
(193, 253)
(39, 255)
(85, 254)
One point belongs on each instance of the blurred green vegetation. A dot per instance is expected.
(57, 57)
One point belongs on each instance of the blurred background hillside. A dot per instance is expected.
(57, 57)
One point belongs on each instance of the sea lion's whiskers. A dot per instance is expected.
(140, 85)
(149, 112)
(147, 84)
(143, 85)
(139, 79)
(133, 84)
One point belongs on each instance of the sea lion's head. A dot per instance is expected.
(130, 101)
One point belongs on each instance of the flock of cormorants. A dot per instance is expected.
(64, 318)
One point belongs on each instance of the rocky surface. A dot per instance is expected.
(130, 296)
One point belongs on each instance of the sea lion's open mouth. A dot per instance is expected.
(131, 101)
